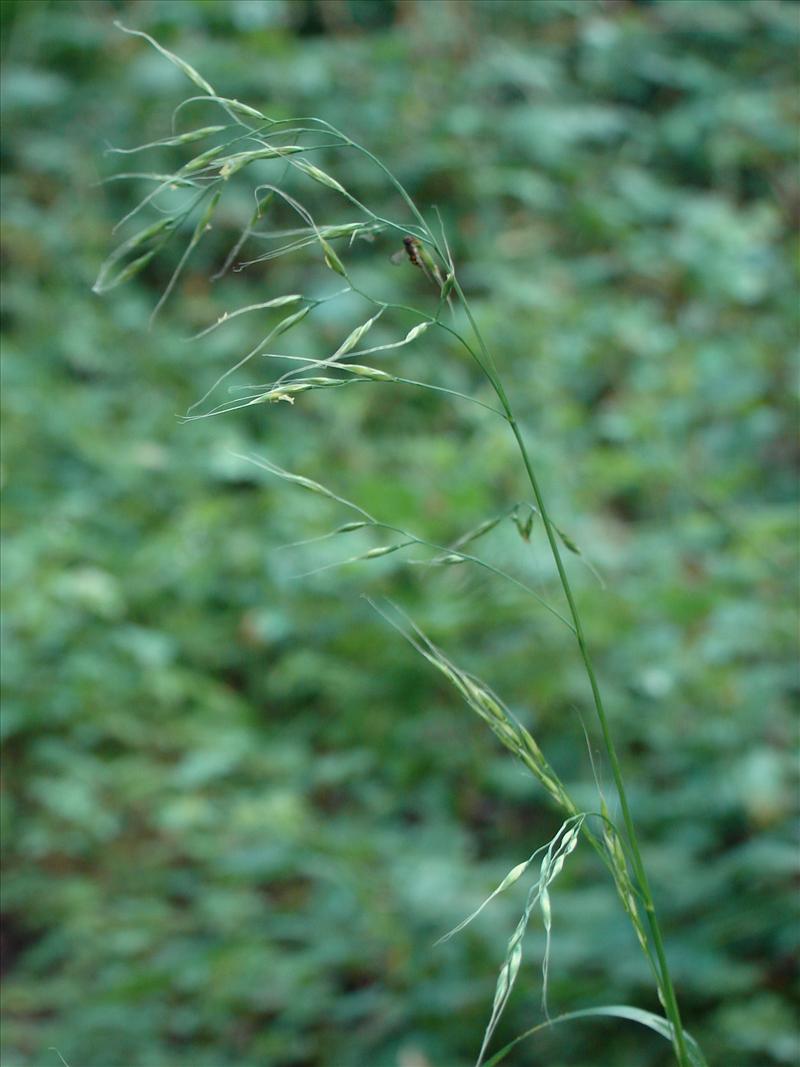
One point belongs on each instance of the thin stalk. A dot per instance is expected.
(667, 988)
(480, 353)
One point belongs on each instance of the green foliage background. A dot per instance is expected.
(237, 811)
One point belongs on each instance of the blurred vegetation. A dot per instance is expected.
(237, 811)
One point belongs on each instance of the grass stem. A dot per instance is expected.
(666, 984)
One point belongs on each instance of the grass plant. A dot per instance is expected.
(189, 196)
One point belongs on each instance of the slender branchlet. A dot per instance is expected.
(189, 197)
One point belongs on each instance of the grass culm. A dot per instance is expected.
(244, 138)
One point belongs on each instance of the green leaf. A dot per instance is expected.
(618, 1011)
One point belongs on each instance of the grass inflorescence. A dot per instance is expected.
(246, 137)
